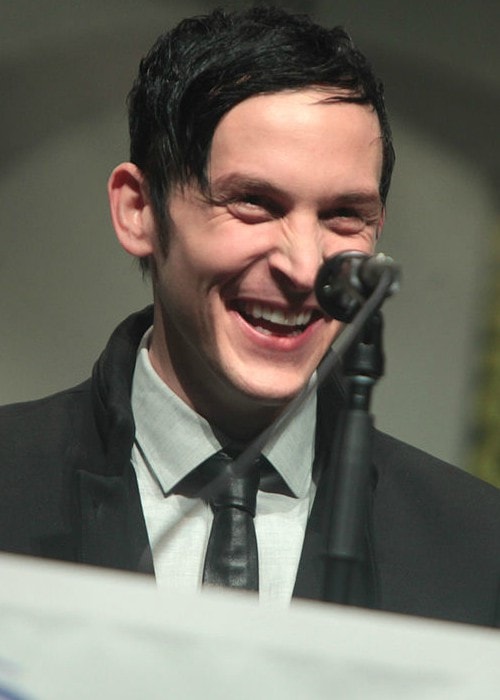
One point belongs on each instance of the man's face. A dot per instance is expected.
(294, 179)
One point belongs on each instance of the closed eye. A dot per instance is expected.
(252, 200)
(349, 221)
(345, 221)
(253, 208)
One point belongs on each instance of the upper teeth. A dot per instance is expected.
(279, 316)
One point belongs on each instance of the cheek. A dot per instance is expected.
(233, 245)
(363, 242)
(332, 329)
(188, 285)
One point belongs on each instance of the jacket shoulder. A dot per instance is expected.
(42, 442)
(408, 469)
(436, 536)
(42, 424)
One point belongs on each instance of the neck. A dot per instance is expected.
(238, 416)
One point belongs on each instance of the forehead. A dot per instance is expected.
(293, 133)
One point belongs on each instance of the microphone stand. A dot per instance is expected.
(363, 366)
(351, 287)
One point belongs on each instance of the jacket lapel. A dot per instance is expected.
(113, 532)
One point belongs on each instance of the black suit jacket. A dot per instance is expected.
(68, 491)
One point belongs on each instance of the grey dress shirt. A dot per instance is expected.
(171, 440)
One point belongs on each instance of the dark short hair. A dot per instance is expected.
(205, 66)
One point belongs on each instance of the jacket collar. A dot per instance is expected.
(112, 530)
(112, 387)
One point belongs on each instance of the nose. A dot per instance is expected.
(298, 255)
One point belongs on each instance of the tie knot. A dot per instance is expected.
(223, 482)
(230, 485)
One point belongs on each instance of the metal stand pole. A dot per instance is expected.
(364, 364)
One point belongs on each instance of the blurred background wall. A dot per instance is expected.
(65, 69)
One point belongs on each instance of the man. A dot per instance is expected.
(260, 147)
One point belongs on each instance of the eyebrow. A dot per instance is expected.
(232, 183)
(366, 197)
(235, 183)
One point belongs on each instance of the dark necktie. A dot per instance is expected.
(231, 558)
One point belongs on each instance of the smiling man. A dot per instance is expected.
(238, 331)
(260, 147)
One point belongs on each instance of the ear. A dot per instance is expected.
(131, 210)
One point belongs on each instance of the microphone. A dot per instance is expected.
(346, 280)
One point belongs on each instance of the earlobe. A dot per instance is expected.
(131, 210)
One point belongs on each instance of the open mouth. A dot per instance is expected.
(273, 321)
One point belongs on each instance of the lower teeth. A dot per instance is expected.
(266, 331)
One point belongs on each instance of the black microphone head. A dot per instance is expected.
(346, 280)
(337, 289)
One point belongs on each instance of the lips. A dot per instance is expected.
(270, 320)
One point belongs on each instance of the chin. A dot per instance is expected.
(277, 393)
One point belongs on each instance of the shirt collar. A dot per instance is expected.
(173, 439)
